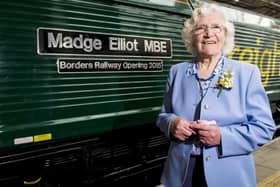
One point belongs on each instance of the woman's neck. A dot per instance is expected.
(206, 66)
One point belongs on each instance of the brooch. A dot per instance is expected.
(225, 81)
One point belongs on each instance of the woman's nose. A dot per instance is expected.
(208, 32)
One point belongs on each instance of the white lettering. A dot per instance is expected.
(107, 66)
(87, 44)
(113, 44)
(121, 44)
(67, 42)
(53, 43)
(78, 42)
(155, 46)
(74, 65)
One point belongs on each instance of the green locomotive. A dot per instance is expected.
(82, 83)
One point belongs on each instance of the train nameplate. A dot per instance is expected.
(80, 43)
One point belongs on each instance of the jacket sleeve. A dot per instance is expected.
(244, 138)
(165, 116)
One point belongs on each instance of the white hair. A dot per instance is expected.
(202, 10)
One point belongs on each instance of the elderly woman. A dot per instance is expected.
(215, 110)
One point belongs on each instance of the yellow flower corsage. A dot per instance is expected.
(225, 81)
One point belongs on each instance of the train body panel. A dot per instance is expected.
(79, 68)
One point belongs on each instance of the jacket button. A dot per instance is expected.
(207, 158)
(206, 106)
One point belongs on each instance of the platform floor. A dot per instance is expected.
(267, 160)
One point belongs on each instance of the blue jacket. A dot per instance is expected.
(243, 113)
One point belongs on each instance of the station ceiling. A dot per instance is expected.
(267, 7)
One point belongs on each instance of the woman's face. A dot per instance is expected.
(209, 35)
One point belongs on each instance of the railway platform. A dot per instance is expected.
(267, 160)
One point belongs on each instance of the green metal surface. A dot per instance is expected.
(260, 46)
(36, 100)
